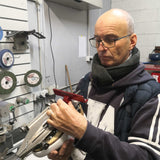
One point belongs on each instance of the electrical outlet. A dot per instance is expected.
(89, 58)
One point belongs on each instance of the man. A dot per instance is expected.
(123, 100)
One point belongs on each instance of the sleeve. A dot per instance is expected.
(143, 141)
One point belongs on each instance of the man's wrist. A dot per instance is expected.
(81, 128)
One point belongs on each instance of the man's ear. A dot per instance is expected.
(133, 41)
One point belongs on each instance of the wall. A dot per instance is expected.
(60, 47)
(62, 31)
(146, 14)
(14, 17)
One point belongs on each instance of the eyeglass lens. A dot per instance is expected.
(106, 43)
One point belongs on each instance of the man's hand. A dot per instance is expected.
(67, 119)
(64, 152)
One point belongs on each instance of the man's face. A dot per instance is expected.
(113, 28)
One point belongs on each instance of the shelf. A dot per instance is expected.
(80, 4)
(152, 67)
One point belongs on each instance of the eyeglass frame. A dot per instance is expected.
(114, 40)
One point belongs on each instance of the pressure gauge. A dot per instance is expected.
(6, 58)
(33, 78)
(7, 82)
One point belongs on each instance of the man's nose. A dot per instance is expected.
(101, 46)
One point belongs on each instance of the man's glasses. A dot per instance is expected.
(106, 42)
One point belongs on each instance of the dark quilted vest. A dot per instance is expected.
(135, 96)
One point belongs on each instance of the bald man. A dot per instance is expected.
(123, 100)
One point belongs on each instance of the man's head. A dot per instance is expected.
(110, 27)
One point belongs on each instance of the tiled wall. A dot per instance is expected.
(146, 14)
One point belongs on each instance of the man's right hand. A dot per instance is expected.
(64, 152)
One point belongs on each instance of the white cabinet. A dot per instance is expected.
(80, 4)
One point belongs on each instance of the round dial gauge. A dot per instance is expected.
(6, 58)
(33, 78)
(7, 82)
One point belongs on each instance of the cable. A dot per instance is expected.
(39, 43)
(54, 74)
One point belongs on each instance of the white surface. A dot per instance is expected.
(13, 25)
(82, 46)
(13, 13)
(33, 157)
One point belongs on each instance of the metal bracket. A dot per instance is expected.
(20, 38)
(24, 33)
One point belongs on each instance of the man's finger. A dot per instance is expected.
(53, 154)
(70, 104)
(54, 107)
(66, 148)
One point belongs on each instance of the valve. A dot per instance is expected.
(23, 100)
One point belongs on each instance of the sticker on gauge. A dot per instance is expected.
(6, 82)
(33, 78)
(7, 59)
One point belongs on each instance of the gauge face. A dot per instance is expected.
(6, 82)
(7, 59)
(33, 78)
